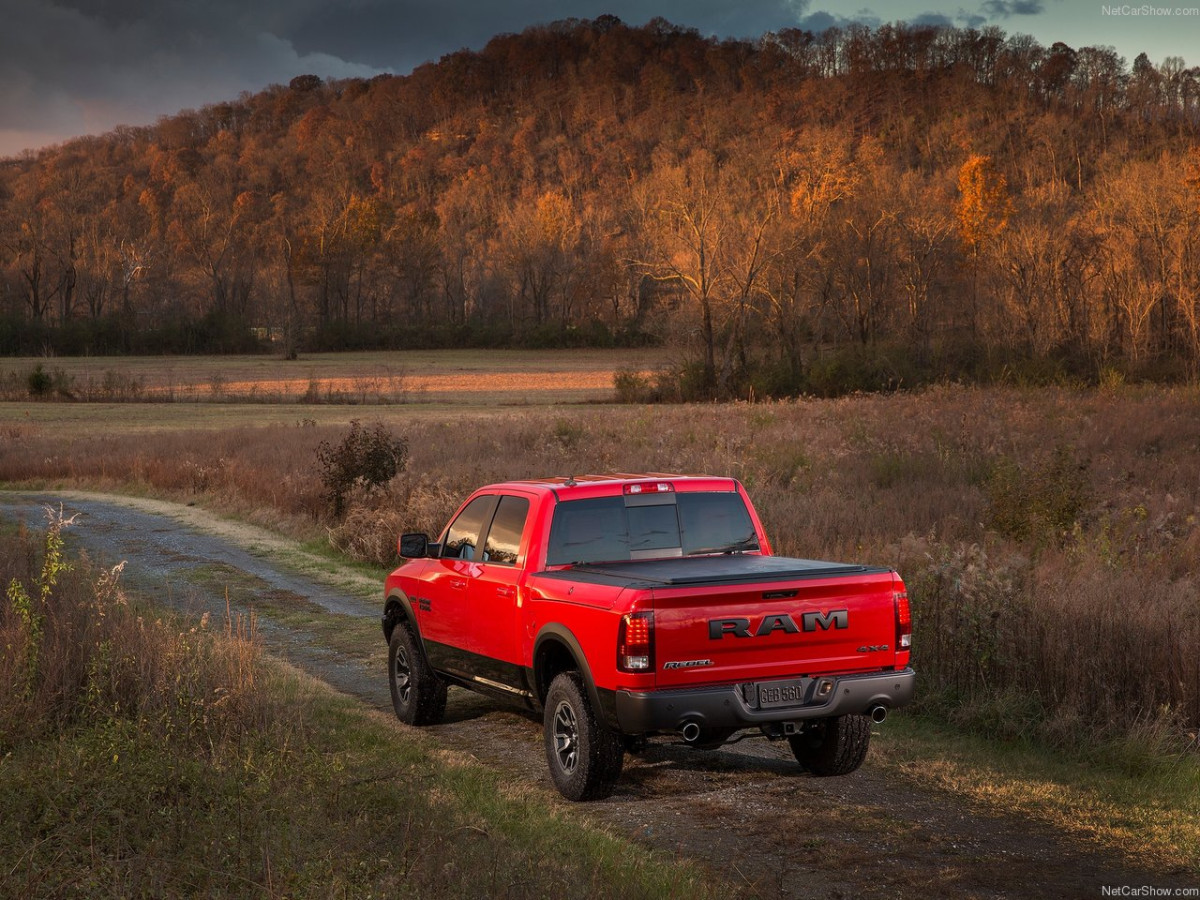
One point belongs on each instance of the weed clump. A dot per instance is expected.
(77, 653)
(29, 612)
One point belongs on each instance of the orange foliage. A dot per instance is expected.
(984, 204)
(1191, 177)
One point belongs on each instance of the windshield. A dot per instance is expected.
(616, 529)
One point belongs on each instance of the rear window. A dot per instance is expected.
(615, 529)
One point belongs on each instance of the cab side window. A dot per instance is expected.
(463, 534)
(504, 537)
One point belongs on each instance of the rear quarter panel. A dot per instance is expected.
(591, 613)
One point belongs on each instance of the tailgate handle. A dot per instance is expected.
(779, 595)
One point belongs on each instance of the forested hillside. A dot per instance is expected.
(857, 208)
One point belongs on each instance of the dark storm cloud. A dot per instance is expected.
(937, 20)
(404, 34)
(86, 66)
(1005, 9)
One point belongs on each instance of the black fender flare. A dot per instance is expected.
(397, 608)
(604, 702)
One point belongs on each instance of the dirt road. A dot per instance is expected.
(745, 810)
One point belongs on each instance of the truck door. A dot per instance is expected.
(445, 615)
(494, 594)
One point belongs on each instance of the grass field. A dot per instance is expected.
(1050, 538)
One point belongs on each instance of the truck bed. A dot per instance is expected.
(697, 571)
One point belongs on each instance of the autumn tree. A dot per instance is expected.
(865, 251)
(925, 231)
(983, 209)
(542, 252)
(816, 174)
(467, 212)
(26, 242)
(413, 255)
(683, 218)
(1143, 211)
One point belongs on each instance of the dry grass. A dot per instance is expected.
(1065, 611)
(1151, 815)
(77, 652)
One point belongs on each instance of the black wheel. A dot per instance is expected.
(418, 695)
(834, 746)
(584, 755)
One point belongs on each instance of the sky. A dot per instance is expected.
(74, 67)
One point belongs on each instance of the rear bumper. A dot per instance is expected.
(735, 705)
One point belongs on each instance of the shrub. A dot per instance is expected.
(1041, 503)
(366, 457)
(42, 383)
(39, 382)
(680, 382)
(632, 386)
(969, 610)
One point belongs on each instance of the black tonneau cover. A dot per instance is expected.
(704, 570)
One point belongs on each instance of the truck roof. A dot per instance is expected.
(603, 484)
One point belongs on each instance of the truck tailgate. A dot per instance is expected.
(814, 625)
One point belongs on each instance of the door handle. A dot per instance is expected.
(458, 583)
(506, 592)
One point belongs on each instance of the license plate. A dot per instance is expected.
(793, 692)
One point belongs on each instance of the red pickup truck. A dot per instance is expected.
(630, 606)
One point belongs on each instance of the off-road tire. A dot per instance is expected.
(418, 695)
(835, 746)
(584, 755)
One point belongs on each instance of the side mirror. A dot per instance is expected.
(414, 545)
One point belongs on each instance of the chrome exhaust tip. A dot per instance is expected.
(879, 714)
(690, 732)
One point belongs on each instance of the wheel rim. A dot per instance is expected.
(566, 737)
(402, 675)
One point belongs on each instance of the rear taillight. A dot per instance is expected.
(903, 621)
(635, 642)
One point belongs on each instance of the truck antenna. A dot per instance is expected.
(570, 482)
